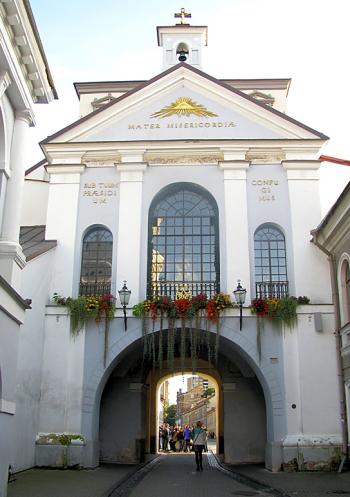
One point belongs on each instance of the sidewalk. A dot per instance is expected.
(97, 482)
(313, 484)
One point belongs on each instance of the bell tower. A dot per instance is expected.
(182, 42)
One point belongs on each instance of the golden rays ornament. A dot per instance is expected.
(184, 106)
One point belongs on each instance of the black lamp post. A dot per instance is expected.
(124, 295)
(240, 294)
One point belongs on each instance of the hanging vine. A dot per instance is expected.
(190, 312)
(85, 307)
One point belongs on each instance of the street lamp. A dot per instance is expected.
(124, 295)
(240, 294)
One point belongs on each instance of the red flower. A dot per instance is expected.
(182, 306)
(199, 301)
(261, 307)
(153, 310)
(211, 311)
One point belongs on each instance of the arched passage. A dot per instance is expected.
(157, 377)
(123, 388)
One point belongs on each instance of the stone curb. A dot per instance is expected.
(124, 487)
(245, 480)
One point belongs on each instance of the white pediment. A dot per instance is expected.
(184, 105)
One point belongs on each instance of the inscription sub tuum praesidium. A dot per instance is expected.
(99, 192)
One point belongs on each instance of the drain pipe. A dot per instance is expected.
(335, 300)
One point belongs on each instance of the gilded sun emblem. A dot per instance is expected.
(184, 106)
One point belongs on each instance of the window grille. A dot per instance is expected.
(183, 252)
(96, 264)
(270, 263)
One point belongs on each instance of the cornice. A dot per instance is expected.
(86, 87)
(132, 167)
(302, 170)
(299, 147)
(301, 164)
(234, 165)
(28, 56)
(65, 168)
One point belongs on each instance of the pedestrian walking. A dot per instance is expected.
(199, 437)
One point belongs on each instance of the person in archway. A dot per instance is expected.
(165, 437)
(199, 437)
(187, 438)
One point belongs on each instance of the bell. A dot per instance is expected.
(182, 56)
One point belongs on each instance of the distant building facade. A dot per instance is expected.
(194, 405)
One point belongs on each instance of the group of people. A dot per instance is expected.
(184, 439)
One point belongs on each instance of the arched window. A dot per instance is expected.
(183, 242)
(96, 262)
(270, 262)
(345, 291)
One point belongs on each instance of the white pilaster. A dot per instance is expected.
(129, 237)
(61, 223)
(236, 214)
(292, 382)
(12, 259)
(305, 214)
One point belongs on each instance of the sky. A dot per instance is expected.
(306, 40)
(175, 383)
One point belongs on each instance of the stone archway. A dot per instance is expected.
(239, 348)
(157, 377)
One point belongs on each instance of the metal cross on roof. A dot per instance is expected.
(182, 15)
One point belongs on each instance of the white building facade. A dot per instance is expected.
(332, 236)
(180, 180)
(24, 80)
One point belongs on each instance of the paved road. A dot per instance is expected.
(175, 475)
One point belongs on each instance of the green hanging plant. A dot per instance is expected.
(277, 310)
(187, 309)
(85, 307)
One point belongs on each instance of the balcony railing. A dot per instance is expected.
(172, 288)
(269, 290)
(94, 288)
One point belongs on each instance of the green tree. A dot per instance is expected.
(170, 414)
(208, 392)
